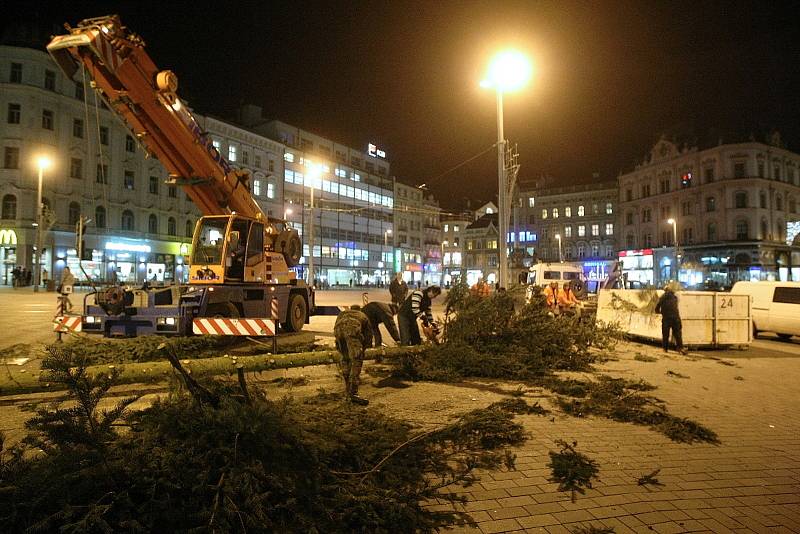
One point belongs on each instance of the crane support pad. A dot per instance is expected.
(67, 323)
(221, 326)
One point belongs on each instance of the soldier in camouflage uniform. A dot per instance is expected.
(353, 333)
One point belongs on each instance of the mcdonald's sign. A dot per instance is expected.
(8, 237)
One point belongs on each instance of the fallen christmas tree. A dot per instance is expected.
(224, 458)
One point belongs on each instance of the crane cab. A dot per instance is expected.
(238, 249)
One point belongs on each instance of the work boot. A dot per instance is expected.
(361, 401)
(683, 351)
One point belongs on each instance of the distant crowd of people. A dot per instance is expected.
(23, 277)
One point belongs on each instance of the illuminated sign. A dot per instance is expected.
(641, 252)
(375, 152)
(112, 245)
(184, 249)
(8, 237)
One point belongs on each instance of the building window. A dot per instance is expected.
(711, 232)
(232, 152)
(629, 218)
(740, 199)
(688, 235)
(100, 217)
(609, 208)
(128, 180)
(760, 169)
(595, 229)
(664, 185)
(271, 166)
(77, 128)
(595, 209)
(609, 228)
(711, 204)
(568, 231)
(741, 230)
(257, 188)
(76, 168)
(595, 251)
(762, 200)
(270, 189)
(152, 186)
(629, 242)
(130, 144)
(127, 220)
(568, 211)
(555, 213)
(47, 119)
(531, 202)
(14, 112)
(648, 240)
(779, 203)
(581, 211)
(687, 208)
(79, 91)
(764, 229)
(792, 206)
(74, 213)
(628, 195)
(581, 230)
(104, 135)
(11, 157)
(9, 207)
(245, 157)
(544, 213)
(647, 215)
(645, 190)
(152, 224)
(189, 230)
(102, 174)
(49, 80)
(172, 226)
(16, 73)
(738, 170)
(172, 191)
(709, 174)
(581, 251)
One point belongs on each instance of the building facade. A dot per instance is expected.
(734, 208)
(481, 257)
(453, 244)
(573, 223)
(350, 224)
(418, 239)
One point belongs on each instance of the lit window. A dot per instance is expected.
(356, 177)
(581, 211)
(567, 231)
(217, 145)
(595, 229)
(609, 228)
(581, 230)
(555, 213)
(446, 227)
(270, 190)
(544, 213)
(609, 208)
(531, 202)
(232, 153)
(568, 212)
(288, 157)
(257, 187)
(455, 228)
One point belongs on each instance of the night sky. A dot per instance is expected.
(610, 78)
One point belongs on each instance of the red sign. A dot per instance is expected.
(640, 252)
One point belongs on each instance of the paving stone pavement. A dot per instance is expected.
(750, 482)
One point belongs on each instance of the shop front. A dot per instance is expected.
(8, 254)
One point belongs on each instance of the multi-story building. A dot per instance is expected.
(453, 244)
(570, 223)
(481, 254)
(418, 241)
(734, 207)
(350, 222)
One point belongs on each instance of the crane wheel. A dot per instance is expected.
(166, 81)
(296, 314)
(578, 289)
(288, 243)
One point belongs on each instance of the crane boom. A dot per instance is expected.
(145, 97)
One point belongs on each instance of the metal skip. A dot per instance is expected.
(233, 327)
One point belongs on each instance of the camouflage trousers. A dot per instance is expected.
(353, 336)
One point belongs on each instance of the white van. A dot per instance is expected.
(775, 306)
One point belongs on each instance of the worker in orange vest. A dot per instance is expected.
(480, 288)
(567, 301)
(552, 293)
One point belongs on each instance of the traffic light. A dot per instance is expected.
(686, 179)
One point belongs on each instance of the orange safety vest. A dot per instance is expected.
(553, 296)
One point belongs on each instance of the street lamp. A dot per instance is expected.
(560, 255)
(43, 162)
(314, 172)
(286, 213)
(674, 224)
(509, 71)
(386, 235)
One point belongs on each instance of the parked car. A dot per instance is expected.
(775, 306)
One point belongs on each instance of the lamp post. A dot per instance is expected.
(508, 71)
(43, 162)
(313, 173)
(560, 255)
(674, 224)
(386, 235)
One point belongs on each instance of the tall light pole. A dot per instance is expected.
(386, 235)
(560, 255)
(508, 71)
(674, 224)
(314, 172)
(43, 162)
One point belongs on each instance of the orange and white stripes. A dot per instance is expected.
(233, 327)
(67, 323)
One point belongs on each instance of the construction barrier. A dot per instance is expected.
(66, 324)
(233, 327)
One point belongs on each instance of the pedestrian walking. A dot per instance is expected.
(417, 305)
(667, 306)
(382, 313)
(353, 334)
(45, 277)
(398, 289)
(65, 288)
(15, 273)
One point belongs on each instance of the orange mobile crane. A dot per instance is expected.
(241, 258)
